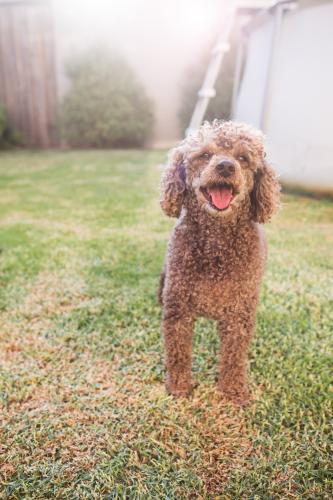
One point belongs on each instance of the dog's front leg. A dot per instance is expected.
(235, 332)
(178, 333)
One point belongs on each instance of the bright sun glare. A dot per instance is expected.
(195, 18)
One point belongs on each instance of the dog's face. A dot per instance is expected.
(221, 174)
(222, 168)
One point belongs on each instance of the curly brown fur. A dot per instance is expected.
(220, 186)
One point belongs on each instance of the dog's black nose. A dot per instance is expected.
(226, 168)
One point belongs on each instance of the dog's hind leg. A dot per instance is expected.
(161, 287)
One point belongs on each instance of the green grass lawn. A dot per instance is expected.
(84, 411)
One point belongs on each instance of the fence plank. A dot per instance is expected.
(28, 86)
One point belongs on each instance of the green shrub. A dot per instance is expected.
(105, 106)
(9, 136)
(220, 105)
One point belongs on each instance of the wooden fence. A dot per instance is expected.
(28, 89)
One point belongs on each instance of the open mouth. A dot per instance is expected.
(219, 196)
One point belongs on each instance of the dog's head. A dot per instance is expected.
(221, 169)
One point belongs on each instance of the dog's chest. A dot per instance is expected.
(225, 276)
(211, 293)
(219, 259)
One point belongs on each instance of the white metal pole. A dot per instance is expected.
(207, 90)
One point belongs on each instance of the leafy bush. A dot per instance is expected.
(105, 106)
(9, 136)
(220, 105)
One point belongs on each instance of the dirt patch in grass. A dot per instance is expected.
(53, 398)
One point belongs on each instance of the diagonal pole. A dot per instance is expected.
(207, 90)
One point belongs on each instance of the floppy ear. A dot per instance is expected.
(265, 196)
(173, 185)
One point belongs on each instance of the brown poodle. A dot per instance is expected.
(220, 187)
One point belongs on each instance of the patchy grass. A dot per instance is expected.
(84, 412)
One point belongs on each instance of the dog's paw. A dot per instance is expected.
(179, 392)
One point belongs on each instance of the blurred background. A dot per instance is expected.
(126, 73)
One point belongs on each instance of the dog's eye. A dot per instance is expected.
(205, 156)
(243, 159)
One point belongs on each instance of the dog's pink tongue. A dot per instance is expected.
(221, 197)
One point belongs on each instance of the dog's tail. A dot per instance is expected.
(160, 289)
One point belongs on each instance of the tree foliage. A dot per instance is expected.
(9, 136)
(105, 106)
